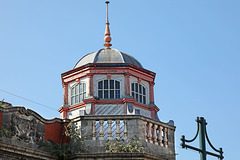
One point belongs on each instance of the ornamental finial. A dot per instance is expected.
(107, 37)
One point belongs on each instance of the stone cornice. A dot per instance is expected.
(29, 112)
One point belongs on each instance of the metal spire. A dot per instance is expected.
(107, 37)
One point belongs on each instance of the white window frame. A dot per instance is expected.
(138, 94)
(101, 91)
(75, 93)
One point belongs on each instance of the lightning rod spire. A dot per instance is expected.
(107, 37)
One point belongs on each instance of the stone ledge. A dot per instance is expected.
(11, 151)
(116, 156)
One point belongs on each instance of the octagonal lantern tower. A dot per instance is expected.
(108, 82)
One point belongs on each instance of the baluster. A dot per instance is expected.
(150, 132)
(146, 134)
(165, 137)
(125, 130)
(109, 129)
(94, 130)
(101, 132)
(160, 135)
(118, 132)
(155, 134)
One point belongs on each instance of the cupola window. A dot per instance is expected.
(78, 93)
(109, 89)
(139, 92)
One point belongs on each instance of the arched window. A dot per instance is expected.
(78, 93)
(109, 89)
(139, 92)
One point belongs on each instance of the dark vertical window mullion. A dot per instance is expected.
(114, 83)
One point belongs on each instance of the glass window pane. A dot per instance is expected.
(100, 92)
(137, 97)
(105, 84)
(111, 93)
(76, 99)
(117, 94)
(100, 85)
(136, 87)
(84, 87)
(84, 95)
(81, 87)
(72, 91)
(132, 86)
(117, 85)
(133, 95)
(144, 100)
(81, 97)
(144, 91)
(140, 88)
(77, 89)
(106, 94)
(72, 100)
(140, 98)
(111, 84)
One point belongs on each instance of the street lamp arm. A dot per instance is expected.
(220, 149)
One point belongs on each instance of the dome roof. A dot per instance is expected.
(107, 56)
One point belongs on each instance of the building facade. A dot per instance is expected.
(108, 96)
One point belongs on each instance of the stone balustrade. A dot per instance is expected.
(155, 135)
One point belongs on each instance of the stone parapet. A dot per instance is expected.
(25, 133)
(156, 137)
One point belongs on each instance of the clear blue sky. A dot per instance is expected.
(192, 45)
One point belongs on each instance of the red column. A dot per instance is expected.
(125, 108)
(153, 114)
(65, 93)
(93, 108)
(65, 110)
(127, 84)
(151, 92)
(90, 81)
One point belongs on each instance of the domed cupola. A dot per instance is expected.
(108, 82)
(108, 56)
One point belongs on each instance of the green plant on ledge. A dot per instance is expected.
(5, 132)
(59, 150)
(77, 138)
(76, 145)
(118, 145)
